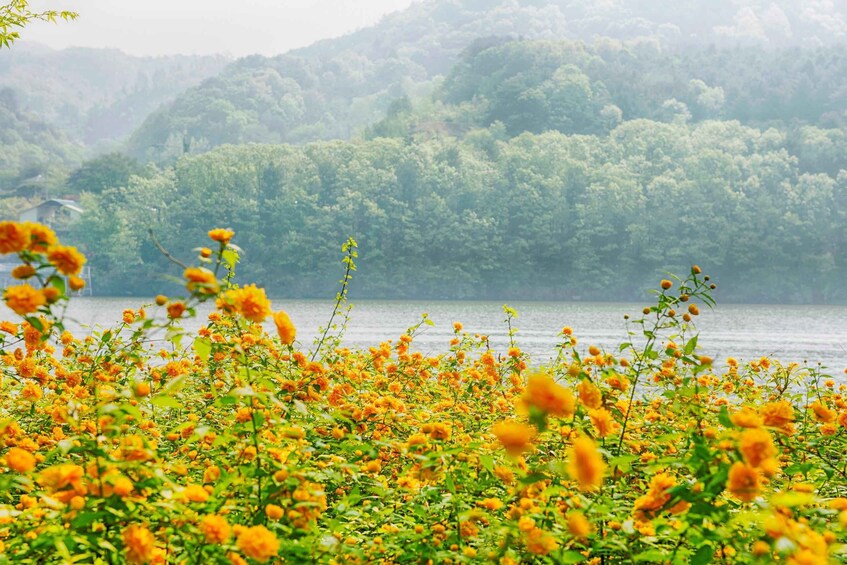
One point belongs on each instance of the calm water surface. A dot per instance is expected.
(789, 333)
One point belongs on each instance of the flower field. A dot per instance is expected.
(143, 444)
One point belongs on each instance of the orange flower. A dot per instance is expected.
(221, 235)
(122, 486)
(20, 460)
(249, 301)
(548, 396)
(23, 299)
(603, 422)
(273, 511)
(777, 414)
(589, 395)
(539, 542)
(746, 418)
(822, 413)
(514, 436)
(585, 464)
(58, 477)
(139, 544)
(258, 543)
(756, 446)
(215, 528)
(195, 493)
(743, 481)
(578, 525)
(200, 280)
(440, 431)
(14, 237)
(287, 331)
(41, 238)
(176, 309)
(66, 259)
(23, 272)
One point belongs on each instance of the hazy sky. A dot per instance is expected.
(237, 27)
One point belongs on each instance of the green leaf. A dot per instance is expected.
(703, 555)
(723, 417)
(571, 556)
(164, 401)
(230, 257)
(652, 555)
(203, 348)
(691, 345)
(59, 284)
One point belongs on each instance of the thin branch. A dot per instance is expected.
(164, 251)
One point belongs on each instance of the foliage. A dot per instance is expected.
(16, 14)
(107, 171)
(143, 444)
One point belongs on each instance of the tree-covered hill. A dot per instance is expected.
(337, 87)
(97, 96)
(535, 216)
(572, 87)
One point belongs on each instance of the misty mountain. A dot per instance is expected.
(34, 153)
(97, 96)
(336, 87)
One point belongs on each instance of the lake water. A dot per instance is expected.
(790, 333)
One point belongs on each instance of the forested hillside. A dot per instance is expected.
(337, 87)
(536, 216)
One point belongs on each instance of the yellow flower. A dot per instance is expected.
(14, 237)
(41, 238)
(138, 542)
(514, 436)
(221, 235)
(215, 528)
(23, 299)
(548, 396)
(585, 464)
(258, 543)
(200, 280)
(743, 481)
(287, 331)
(249, 301)
(578, 525)
(66, 259)
(589, 395)
(20, 460)
(756, 446)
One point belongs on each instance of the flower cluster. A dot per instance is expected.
(240, 446)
